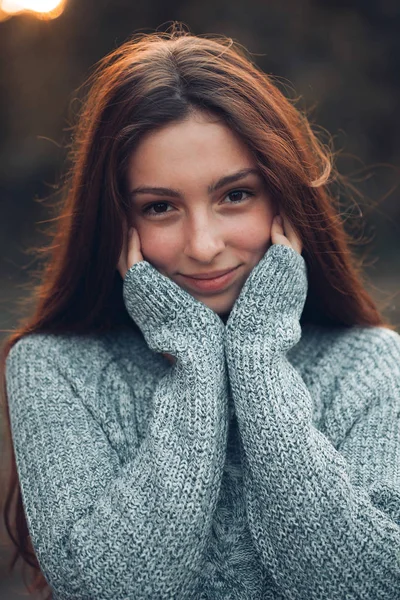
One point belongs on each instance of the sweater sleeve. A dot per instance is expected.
(326, 522)
(105, 531)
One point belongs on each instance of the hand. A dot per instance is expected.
(131, 251)
(272, 299)
(282, 232)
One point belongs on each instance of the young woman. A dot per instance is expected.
(206, 402)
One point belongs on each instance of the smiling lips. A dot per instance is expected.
(210, 282)
(212, 275)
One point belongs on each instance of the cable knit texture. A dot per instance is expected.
(263, 464)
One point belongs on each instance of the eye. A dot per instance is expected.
(236, 196)
(155, 209)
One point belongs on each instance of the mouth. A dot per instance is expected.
(210, 284)
(210, 275)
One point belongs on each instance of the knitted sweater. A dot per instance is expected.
(263, 464)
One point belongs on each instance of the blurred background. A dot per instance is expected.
(340, 59)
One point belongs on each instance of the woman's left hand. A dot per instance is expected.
(282, 232)
(272, 299)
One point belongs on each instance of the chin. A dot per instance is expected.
(221, 308)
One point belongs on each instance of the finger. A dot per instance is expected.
(134, 253)
(292, 236)
(122, 267)
(278, 233)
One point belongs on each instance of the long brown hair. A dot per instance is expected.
(150, 81)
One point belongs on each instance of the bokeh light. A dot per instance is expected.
(49, 9)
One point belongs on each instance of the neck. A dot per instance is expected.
(224, 318)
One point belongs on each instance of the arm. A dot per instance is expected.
(105, 531)
(313, 521)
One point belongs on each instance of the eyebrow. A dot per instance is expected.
(222, 182)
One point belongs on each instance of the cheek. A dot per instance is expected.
(253, 233)
(159, 247)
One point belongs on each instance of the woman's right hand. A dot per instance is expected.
(131, 251)
(169, 317)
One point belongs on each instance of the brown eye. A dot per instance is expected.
(156, 208)
(236, 196)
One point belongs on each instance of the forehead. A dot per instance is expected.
(200, 146)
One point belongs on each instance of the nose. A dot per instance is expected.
(204, 240)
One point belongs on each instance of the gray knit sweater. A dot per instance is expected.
(263, 464)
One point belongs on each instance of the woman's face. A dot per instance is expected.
(200, 206)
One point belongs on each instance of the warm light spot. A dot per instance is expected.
(11, 7)
(46, 8)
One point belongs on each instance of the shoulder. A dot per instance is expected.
(348, 349)
(49, 347)
(77, 357)
(347, 372)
